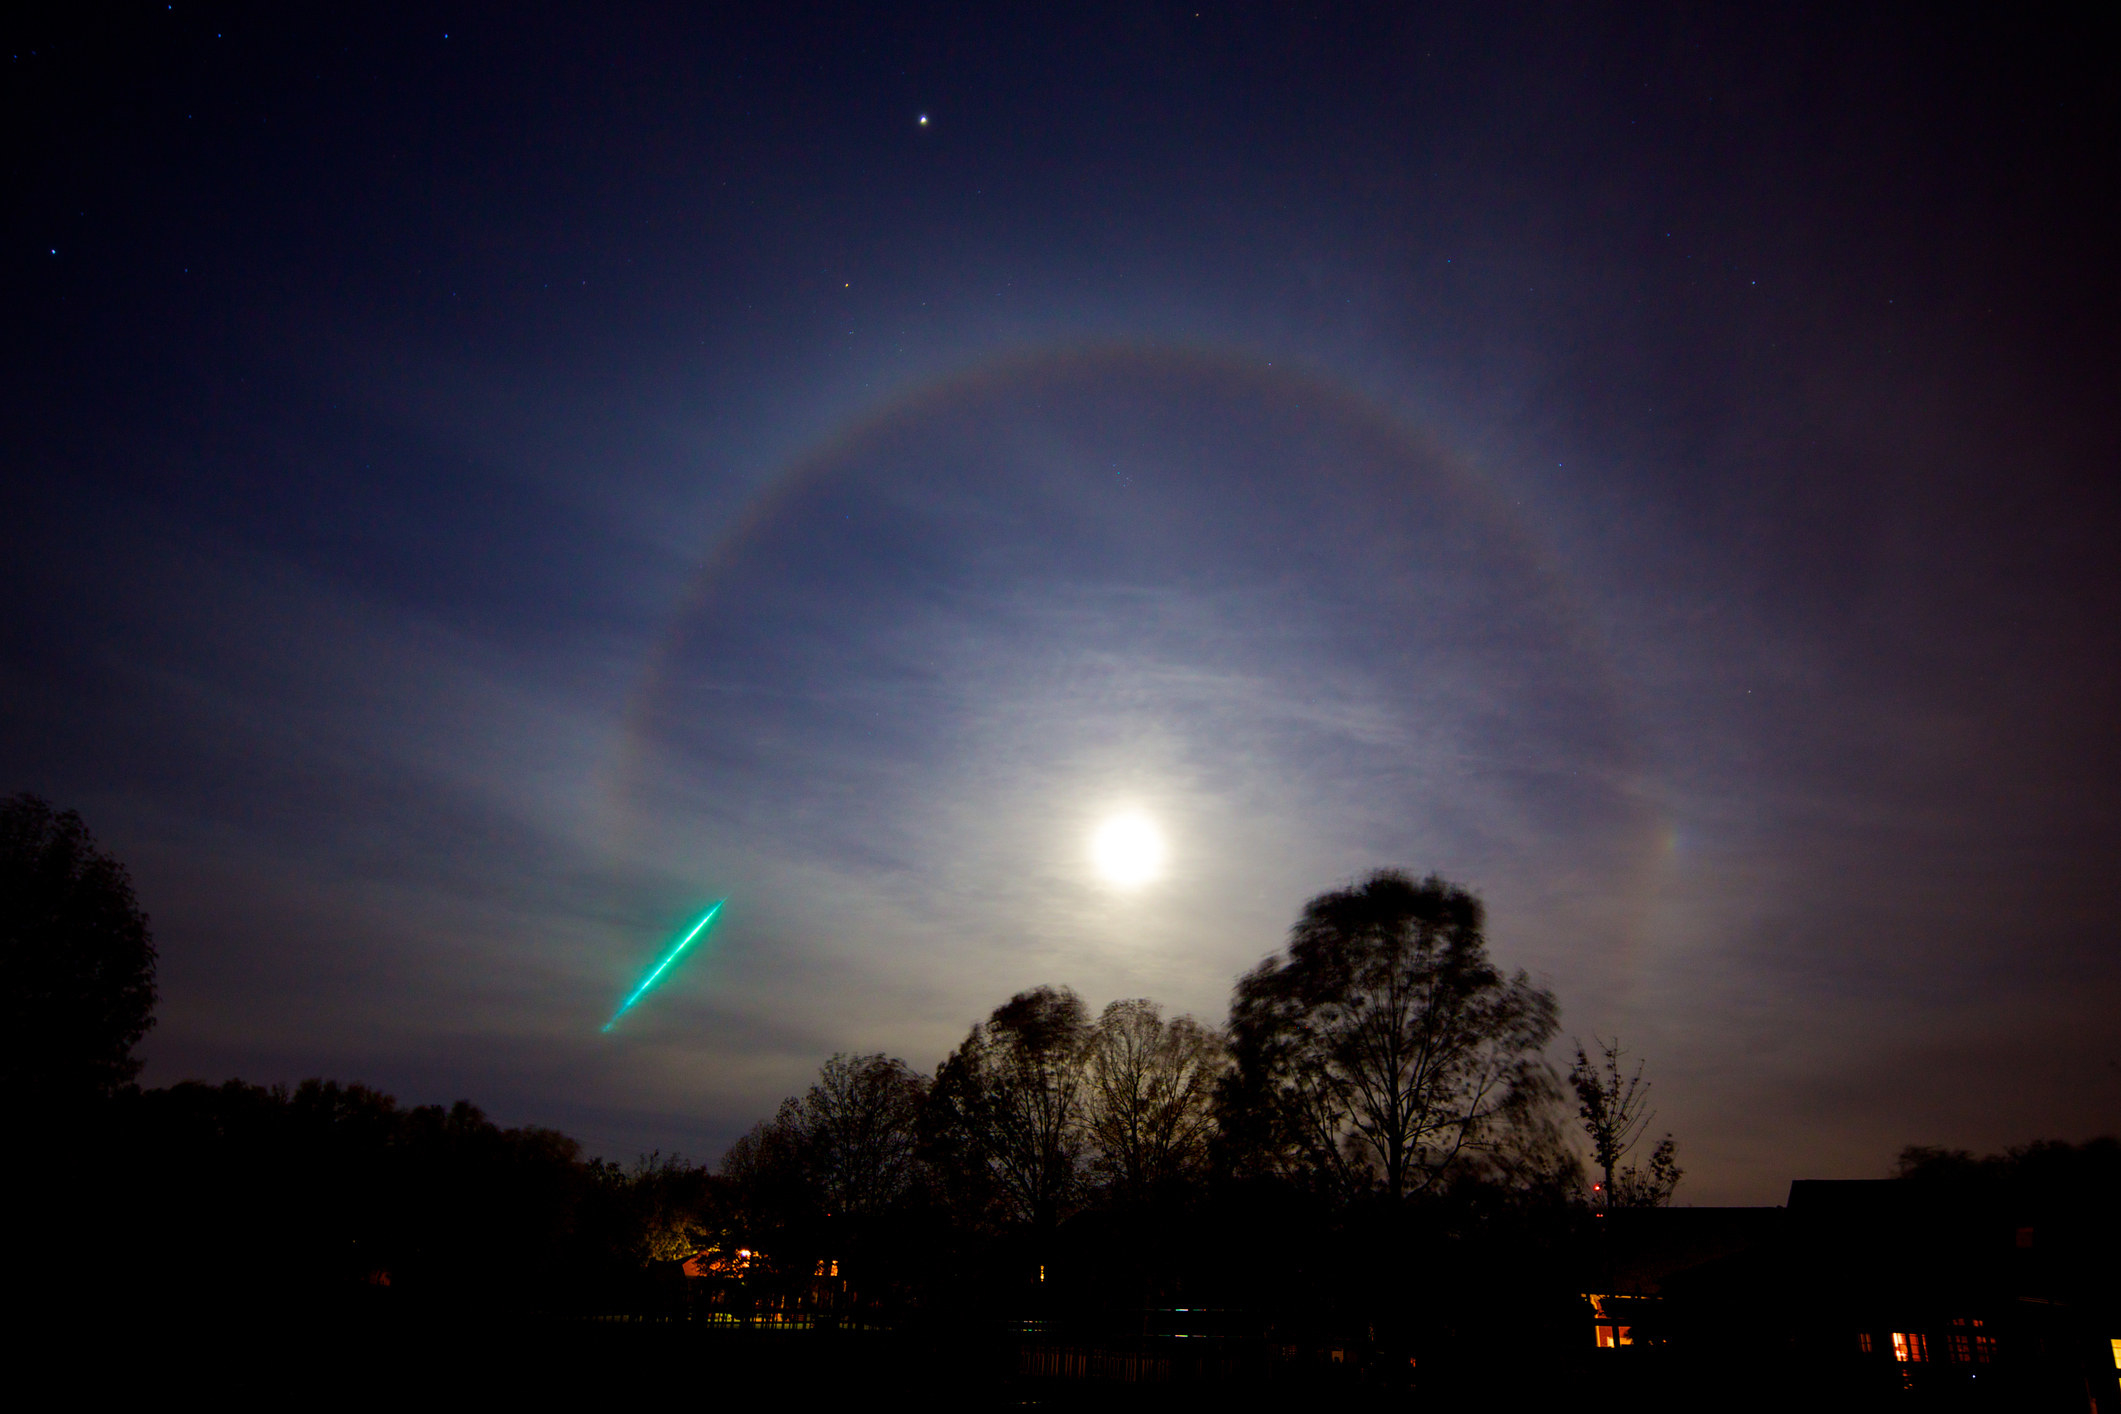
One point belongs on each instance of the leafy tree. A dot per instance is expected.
(1383, 1044)
(1013, 1096)
(1612, 1103)
(77, 964)
(1150, 1096)
(333, 1188)
(674, 1207)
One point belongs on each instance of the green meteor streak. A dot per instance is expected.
(677, 950)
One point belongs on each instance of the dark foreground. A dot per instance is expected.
(270, 1358)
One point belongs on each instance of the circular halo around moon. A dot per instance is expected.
(910, 681)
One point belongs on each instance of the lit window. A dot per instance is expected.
(1613, 1337)
(1971, 1345)
(1909, 1348)
(1863, 1341)
(2117, 1355)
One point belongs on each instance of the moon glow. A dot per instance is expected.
(1128, 850)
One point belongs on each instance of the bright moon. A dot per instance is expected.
(1128, 850)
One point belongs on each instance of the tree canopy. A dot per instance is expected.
(1150, 1089)
(1383, 1043)
(77, 963)
(1013, 1096)
(857, 1127)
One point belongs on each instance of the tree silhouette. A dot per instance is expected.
(77, 964)
(1013, 1094)
(1612, 1103)
(1151, 1087)
(857, 1127)
(1383, 1042)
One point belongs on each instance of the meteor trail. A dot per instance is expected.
(677, 950)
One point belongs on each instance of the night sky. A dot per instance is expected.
(482, 484)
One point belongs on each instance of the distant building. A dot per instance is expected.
(745, 1287)
(1858, 1294)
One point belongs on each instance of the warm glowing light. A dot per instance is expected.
(677, 950)
(1128, 850)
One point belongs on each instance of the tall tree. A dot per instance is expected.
(77, 964)
(1150, 1091)
(771, 1190)
(1383, 1042)
(1013, 1095)
(857, 1124)
(1613, 1104)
